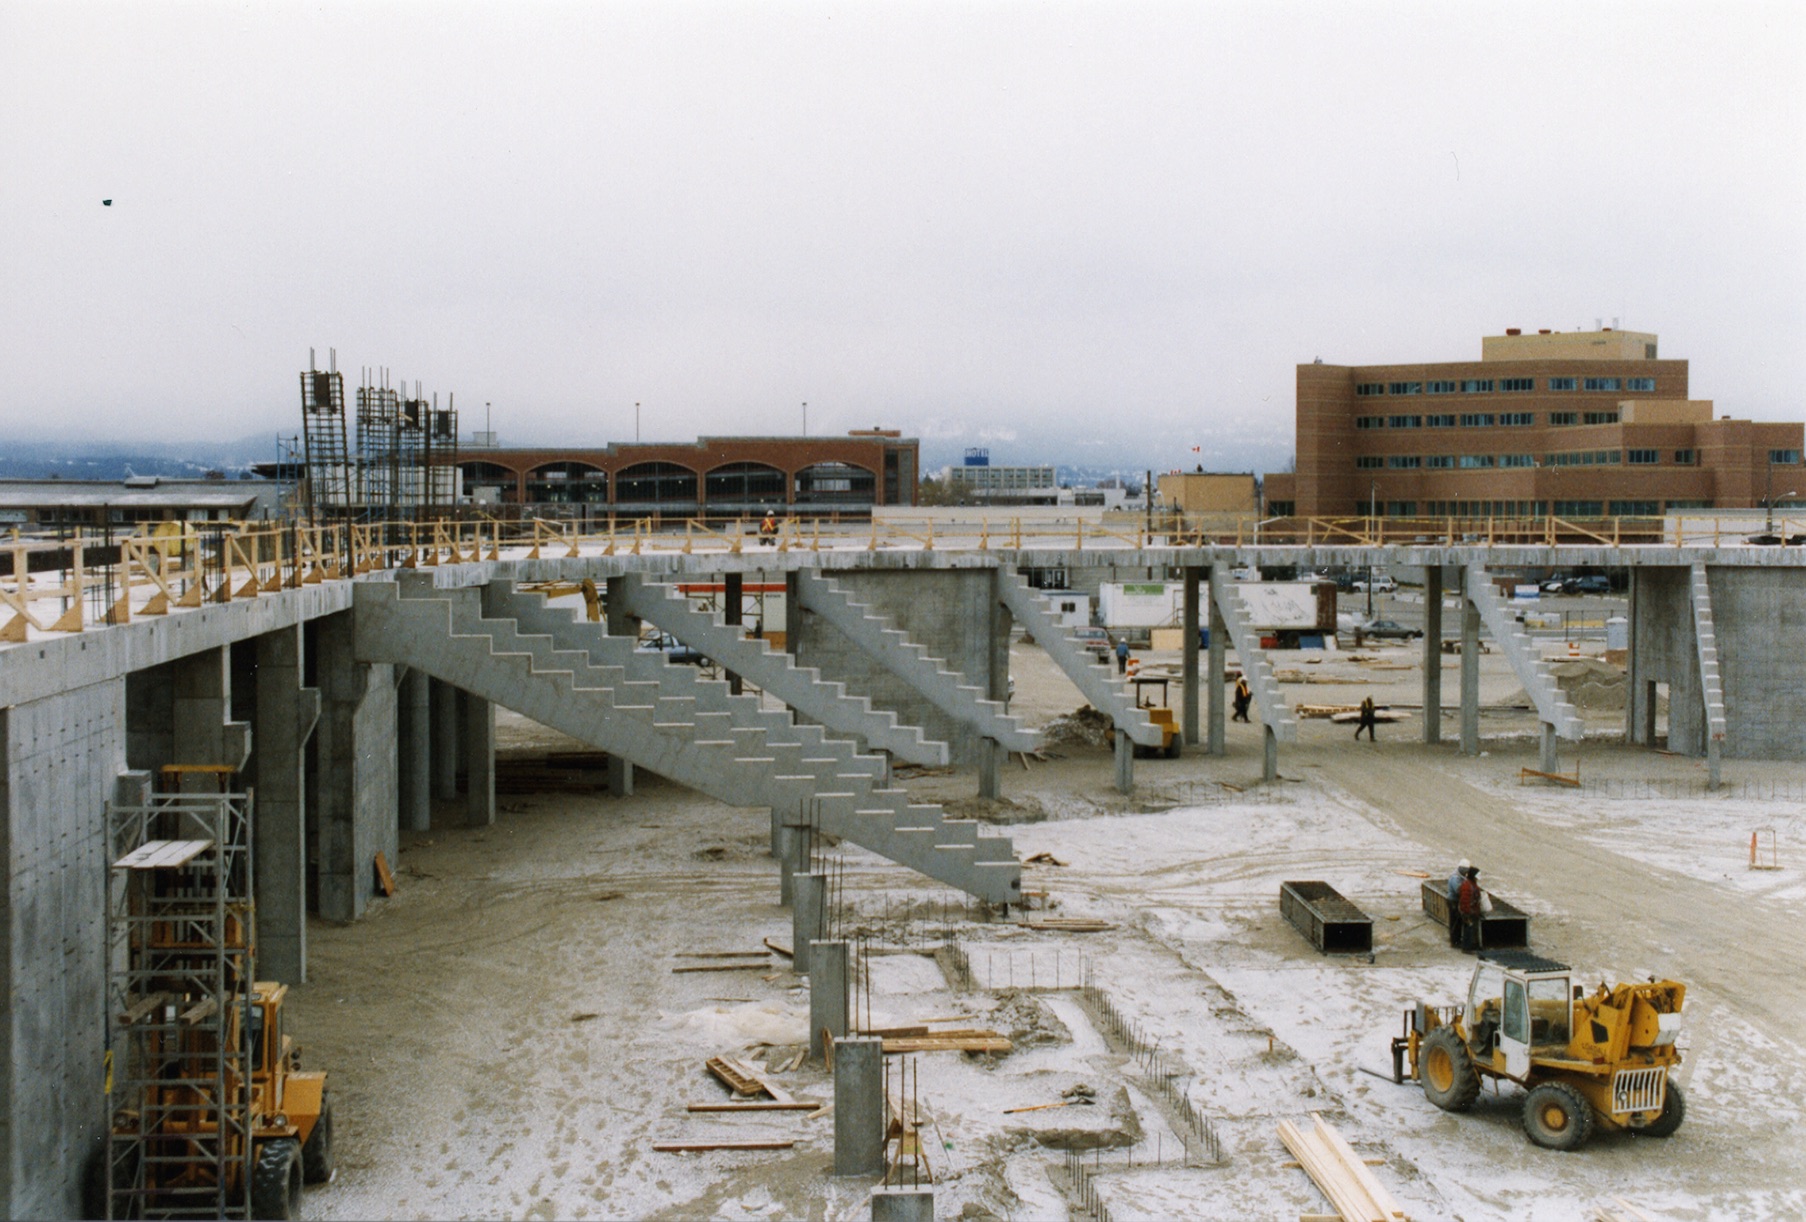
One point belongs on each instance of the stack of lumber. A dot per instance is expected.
(971, 1039)
(745, 1080)
(1343, 1177)
(1068, 925)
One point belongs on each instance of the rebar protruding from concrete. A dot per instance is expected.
(808, 895)
(859, 1105)
(828, 997)
(902, 1205)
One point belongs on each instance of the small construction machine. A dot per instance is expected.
(1596, 1061)
(1154, 703)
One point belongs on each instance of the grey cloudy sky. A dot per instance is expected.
(1024, 222)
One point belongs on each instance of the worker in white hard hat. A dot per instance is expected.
(1454, 898)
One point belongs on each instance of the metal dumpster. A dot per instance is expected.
(1504, 928)
(1333, 925)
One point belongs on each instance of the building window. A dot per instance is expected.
(1517, 460)
(1401, 509)
(1561, 383)
(1404, 422)
(1602, 384)
(1564, 417)
(1281, 509)
(1370, 422)
(1635, 509)
(1780, 457)
(1674, 505)
(1578, 509)
(1404, 388)
(1599, 417)
(1477, 386)
(1370, 388)
(1439, 422)
(1645, 384)
(1511, 384)
(1404, 462)
(1517, 419)
(1476, 420)
(1368, 462)
(1439, 388)
(1476, 462)
(1440, 462)
(1642, 458)
(1683, 458)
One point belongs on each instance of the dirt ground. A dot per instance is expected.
(507, 1035)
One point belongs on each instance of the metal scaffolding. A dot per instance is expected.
(179, 1012)
(328, 458)
(404, 463)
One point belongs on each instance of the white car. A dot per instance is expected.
(1383, 584)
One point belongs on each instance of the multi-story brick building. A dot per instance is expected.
(712, 476)
(1573, 424)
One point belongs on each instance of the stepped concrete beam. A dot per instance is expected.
(1269, 702)
(947, 690)
(1520, 650)
(775, 672)
(1094, 677)
(563, 690)
(1705, 636)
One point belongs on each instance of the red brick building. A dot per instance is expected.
(1573, 424)
(713, 476)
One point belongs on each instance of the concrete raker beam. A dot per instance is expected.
(1269, 701)
(1520, 651)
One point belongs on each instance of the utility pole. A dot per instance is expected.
(1373, 514)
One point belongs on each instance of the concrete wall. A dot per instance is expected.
(62, 754)
(947, 611)
(1663, 650)
(357, 785)
(1760, 616)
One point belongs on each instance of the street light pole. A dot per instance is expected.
(1373, 513)
(805, 417)
(636, 423)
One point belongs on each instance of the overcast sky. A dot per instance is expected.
(1021, 223)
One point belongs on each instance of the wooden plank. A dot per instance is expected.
(141, 1008)
(733, 954)
(752, 1074)
(730, 1074)
(1357, 1168)
(385, 878)
(700, 1147)
(935, 1043)
(758, 1105)
(721, 967)
(162, 854)
(782, 950)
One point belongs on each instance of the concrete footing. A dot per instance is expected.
(859, 1108)
(902, 1205)
(808, 892)
(828, 1001)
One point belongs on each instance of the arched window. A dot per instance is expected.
(486, 481)
(655, 485)
(567, 483)
(744, 487)
(835, 483)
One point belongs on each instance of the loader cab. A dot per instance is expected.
(1522, 1006)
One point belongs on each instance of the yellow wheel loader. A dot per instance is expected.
(1591, 1062)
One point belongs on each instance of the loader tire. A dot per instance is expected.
(1557, 1117)
(1674, 1110)
(316, 1153)
(276, 1181)
(1447, 1071)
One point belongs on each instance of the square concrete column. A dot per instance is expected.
(1547, 759)
(1633, 678)
(1213, 680)
(1470, 672)
(416, 734)
(479, 761)
(1125, 763)
(619, 623)
(733, 612)
(808, 903)
(991, 754)
(1432, 654)
(445, 716)
(860, 1109)
(357, 782)
(1269, 766)
(201, 712)
(1188, 671)
(282, 722)
(830, 998)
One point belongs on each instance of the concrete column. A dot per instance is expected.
(902, 1205)
(1432, 654)
(795, 836)
(1650, 695)
(444, 700)
(1714, 756)
(283, 721)
(1470, 673)
(808, 898)
(479, 761)
(1213, 679)
(201, 712)
(1547, 760)
(829, 997)
(416, 732)
(859, 1106)
(1633, 679)
(991, 755)
(357, 782)
(1269, 768)
(619, 623)
(1125, 763)
(1188, 672)
(990, 768)
(733, 605)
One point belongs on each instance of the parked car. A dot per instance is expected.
(1094, 639)
(1383, 583)
(1590, 585)
(1555, 585)
(1390, 630)
(673, 649)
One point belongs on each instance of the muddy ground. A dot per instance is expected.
(507, 1035)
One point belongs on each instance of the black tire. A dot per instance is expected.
(1447, 1071)
(276, 1181)
(1172, 748)
(316, 1155)
(1674, 1110)
(1557, 1117)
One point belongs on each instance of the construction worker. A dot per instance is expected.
(1243, 694)
(1368, 721)
(768, 529)
(1455, 878)
(1122, 655)
(1467, 902)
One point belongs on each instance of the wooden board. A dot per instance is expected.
(162, 854)
(721, 967)
(758, 1105)
(948, 1043)
(1343, 1177)
(699, 1147)
(385, 878)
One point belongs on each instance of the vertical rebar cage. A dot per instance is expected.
(180, 957)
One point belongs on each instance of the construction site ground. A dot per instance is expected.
(508, 1037)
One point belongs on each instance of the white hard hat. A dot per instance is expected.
(1464, 866)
